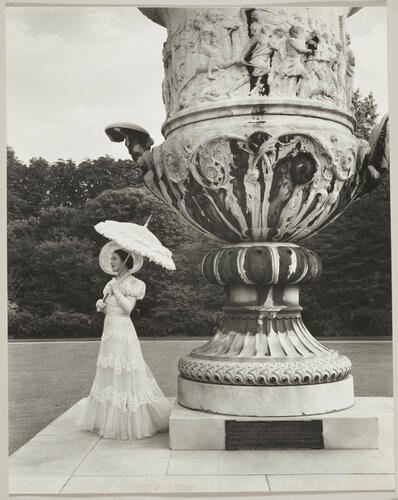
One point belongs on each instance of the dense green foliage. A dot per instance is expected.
(353, 294)
(54, 278)
(365, 112)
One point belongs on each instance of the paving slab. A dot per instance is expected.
(52, 455)
(65, 423)
(279, 462)
(167, 484)
(386, 436)
(387, 401)
(37, 485)
(331, 482)
(124, 458)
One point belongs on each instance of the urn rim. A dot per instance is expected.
(257, 108)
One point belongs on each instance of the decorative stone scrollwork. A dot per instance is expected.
(316, 370)
(211, 165)
(344, 161)
(258, 187)
(174, 160)
(176, 167)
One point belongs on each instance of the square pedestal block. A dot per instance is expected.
(354, 428)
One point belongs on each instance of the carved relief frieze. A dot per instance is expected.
(200, 57)
(216, 54)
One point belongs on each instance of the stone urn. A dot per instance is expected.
(259, 153)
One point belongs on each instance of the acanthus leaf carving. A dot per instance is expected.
(258, 187)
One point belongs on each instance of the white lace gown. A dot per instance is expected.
(125, 401)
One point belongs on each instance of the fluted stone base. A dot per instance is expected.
(269, 401)
(247, 365)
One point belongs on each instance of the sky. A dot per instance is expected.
(73, 71)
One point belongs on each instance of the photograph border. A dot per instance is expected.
(392, 22)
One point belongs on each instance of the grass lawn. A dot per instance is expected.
(46, 378)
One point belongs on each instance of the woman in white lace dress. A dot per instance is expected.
(125, 401)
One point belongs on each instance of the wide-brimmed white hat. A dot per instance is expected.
(106, 254)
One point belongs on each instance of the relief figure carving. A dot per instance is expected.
(213, 54)
(350, 68)
(215, 46)
(292, 71)
(261, 47)
(322, 82)
(339, 67)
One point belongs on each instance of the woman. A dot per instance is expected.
(125, 401)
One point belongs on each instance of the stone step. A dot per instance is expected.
(354, 428)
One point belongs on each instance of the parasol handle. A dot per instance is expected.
(118, 274)
(147, 222)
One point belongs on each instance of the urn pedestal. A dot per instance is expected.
(263, 361)
(259, 153)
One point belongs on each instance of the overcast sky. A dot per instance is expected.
(73, 71)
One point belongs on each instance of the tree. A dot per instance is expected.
(64, 189)
(56, 252)
(63, 183)
(104, 173)
(27, 185)
(353, 295)
(365, 112)
(16, 204)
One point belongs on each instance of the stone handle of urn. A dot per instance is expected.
(137, 140)
(377, 159)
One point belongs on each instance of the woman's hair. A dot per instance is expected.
(123, 255)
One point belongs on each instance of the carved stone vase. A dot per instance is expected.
(259, 153)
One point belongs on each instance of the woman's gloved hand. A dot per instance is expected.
(100, 305)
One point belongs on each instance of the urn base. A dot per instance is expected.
(266, 401)
(263, 361)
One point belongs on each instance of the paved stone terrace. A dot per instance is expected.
(63, 460)
(47, 378)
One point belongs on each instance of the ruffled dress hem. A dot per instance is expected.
(110, 422)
